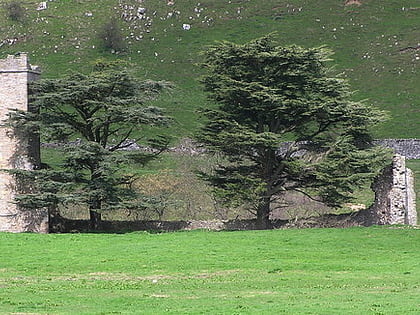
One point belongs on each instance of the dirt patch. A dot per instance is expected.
(355, 206)
(153, 278)
(123, 277)
(160, 295)
(212, 274)
(353, 2)
(109, 276)
(252, 294)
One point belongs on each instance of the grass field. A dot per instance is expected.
(376, 44)
(317, 271)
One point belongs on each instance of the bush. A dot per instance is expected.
(14, 10)
(111, 36)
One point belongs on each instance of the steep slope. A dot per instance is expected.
(376, 43)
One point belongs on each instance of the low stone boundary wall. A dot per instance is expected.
(361, 218)
(410, 148)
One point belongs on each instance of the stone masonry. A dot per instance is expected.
(395, 200)
(15, 151)
(410, 148)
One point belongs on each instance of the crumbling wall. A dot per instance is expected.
(394, 195)
(17, 151)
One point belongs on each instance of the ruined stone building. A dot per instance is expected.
(395, 198)
(21, 152)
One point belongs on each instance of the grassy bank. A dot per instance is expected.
(329, 271)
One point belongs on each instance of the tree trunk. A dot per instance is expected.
(55, 220)
(95, 203)
(95, 216)
(95, 219)
(263, 215)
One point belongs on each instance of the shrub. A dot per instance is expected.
(111, 36)
(14, 10)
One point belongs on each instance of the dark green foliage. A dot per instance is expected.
(111, 36)
(14, 10)
(266, 95)
(104, 109)
(56, 187)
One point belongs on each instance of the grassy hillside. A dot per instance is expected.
(317, 271)
(371, 39)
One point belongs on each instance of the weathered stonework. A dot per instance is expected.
(410, 148)
(394, 195)
(16, 151)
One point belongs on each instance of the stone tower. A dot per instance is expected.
(17, 151)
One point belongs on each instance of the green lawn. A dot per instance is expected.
(314, 271)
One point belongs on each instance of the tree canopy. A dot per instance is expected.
(106, 109)
(285, 123)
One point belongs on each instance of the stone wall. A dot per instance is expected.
(63, 225)
(17, 151)
(394, 195)
(410, 148)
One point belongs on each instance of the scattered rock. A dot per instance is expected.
(410, 48)
(42, 6)
(352, 2)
